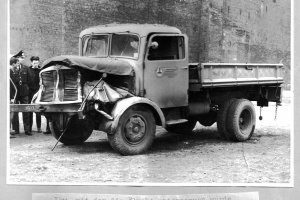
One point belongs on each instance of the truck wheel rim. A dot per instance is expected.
(245, 120)
(135, 129)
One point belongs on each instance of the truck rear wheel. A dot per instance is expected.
(241, 120)
(222, 117)
(135, 131)
(77, 131)
(183, 128)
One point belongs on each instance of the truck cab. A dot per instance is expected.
(158, 54)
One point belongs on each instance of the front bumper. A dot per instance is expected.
(45, 108)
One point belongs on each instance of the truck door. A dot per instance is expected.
(166, 70)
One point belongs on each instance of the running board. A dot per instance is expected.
(176, 121)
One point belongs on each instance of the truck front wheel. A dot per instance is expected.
(135, 131)
(76, 130)
(241, 120)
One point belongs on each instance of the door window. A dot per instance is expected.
(167, 48)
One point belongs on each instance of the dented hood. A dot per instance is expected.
(104, 65)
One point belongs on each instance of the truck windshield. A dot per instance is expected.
(124, 45)
(96, 46)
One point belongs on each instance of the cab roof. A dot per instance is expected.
(140, 29)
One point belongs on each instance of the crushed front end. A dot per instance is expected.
(77, 95)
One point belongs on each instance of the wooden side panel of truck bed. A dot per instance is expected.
(235, 74)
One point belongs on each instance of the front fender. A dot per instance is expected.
(122, 105)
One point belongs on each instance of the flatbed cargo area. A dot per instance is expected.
(234, 74)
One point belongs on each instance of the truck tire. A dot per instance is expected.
(222, 117)
(241, 120)
(135, 131)
(77, 132)
(183, 128)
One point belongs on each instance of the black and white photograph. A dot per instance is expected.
(150, 93)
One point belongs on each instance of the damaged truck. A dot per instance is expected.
(130, 78)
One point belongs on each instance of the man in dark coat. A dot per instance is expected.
(20, 76)
(34, 87)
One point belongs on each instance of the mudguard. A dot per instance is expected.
(122, 105)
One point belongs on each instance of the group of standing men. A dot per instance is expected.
(24, 83)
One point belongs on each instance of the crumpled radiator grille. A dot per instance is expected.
(70, 85)
(65, 90)
(49, 82)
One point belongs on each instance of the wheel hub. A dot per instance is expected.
(244, 120)
(241, 120)
(135, 129)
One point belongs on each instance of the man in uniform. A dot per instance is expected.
(20, 76)
(14, 63)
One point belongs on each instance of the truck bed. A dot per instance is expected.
(207, 75)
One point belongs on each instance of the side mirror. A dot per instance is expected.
(154, 45)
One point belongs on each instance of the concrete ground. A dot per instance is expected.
(198, 158)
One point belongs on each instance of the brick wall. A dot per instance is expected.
(36, 27)
(219, 30)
